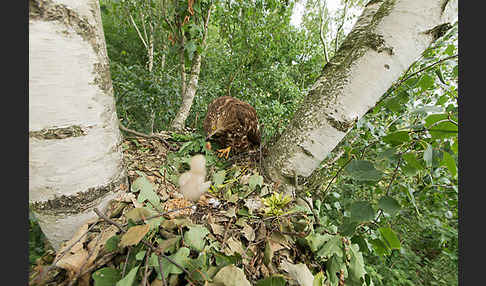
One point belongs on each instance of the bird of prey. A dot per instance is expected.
(233, 124)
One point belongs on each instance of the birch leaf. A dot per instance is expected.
(298, 272)
(231, 276)
(134, 235)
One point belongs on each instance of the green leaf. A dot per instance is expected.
(231, 276)
(333, 246)
(317, 240)
(413, 165)
(433, 118)
(319, 279)
(180, 257)
(439, 74)
(443, 130)
(362, 211)
(389, 205)
(348, 227)
(356, 270)
(333, 266)
(397, 138)
(397, 102)
(362, 170)
(455, 146)
(427, 109)
(412, 199)
(276, 280)
(255, 180)
(129, 279)
(390, 237)
(225, 260)
(218, 178)
(411, 159)
(449, 50)
(140, 255)
(380, 247)
(449, 162)
(194, 237)
(106, 276)
(112, 243)
(146, 189)
(426, 82)
(428, 155)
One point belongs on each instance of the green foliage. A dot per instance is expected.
(394, 195)
(37, 240)
(275, 204)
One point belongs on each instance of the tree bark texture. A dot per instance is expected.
(75, 159)
(387, 38)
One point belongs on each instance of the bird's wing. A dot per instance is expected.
(249, 121)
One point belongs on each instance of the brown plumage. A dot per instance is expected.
(232, 123)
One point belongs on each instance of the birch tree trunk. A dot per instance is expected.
(387, 38)
(75, 160)
(189, 91)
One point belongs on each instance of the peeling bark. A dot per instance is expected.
(75, 161)
(387, 38)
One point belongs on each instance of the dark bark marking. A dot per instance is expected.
(77, 203)
(58, 133)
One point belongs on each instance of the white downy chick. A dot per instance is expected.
(192, 182)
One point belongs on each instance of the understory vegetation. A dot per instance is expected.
(383, 207)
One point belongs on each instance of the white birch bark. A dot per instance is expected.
(387, 38)
(70, 89)
(189, 91)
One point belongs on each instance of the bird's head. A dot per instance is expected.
(216, 127)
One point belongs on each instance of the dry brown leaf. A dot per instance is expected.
(79, 245)
(249, 232)
(217, 228)
(233, 246)
(72, 262)
(134, 235)
(138, 214)
(299, 272)
(262, 232)
(231, 212)
(156, 282)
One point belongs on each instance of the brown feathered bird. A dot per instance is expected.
(233, 124)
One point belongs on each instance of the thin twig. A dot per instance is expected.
(78, 275)
(170, 211)
(145, 275)
(413, 74)
(138, 31)
(161, 270)
(101, 261)
(153, 248)
(337, 173)
(53, 265)
(395, 172)
(126, 261)
(153, 136)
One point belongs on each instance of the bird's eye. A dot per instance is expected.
(213, 128)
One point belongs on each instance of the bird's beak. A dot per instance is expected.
(212, 133)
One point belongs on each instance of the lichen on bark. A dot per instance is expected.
(78, 203)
